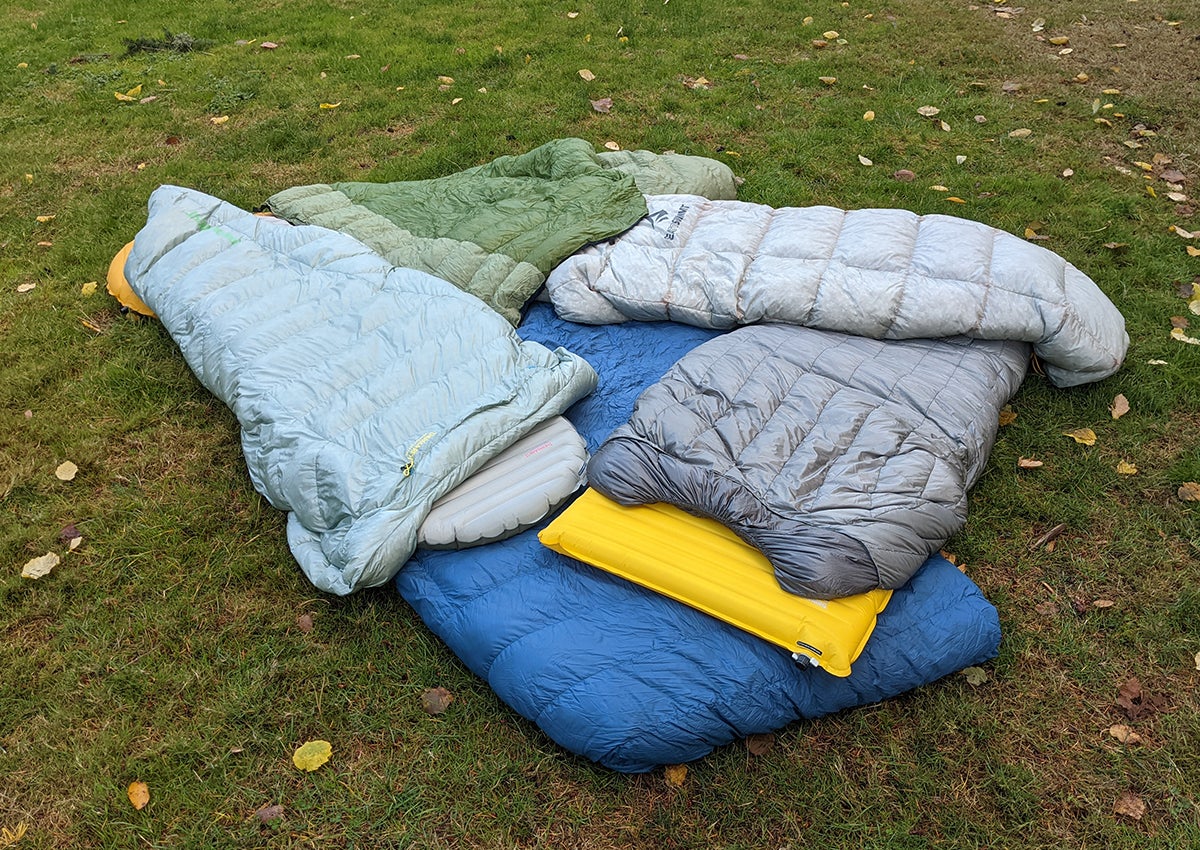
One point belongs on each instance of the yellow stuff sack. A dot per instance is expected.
(703, 564)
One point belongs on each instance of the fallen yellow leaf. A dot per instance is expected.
(312, 754)
(219, 119)
(88, 288)
(1020, 133)
(129, 95)
(1193, 251)
(1124, 468)
(587, 75)
(1083, 436)
(862, 159)
(456, 100)
(9, 837)
(26, 287)
(1007, 416)
(66, 471)
(38, 567)
(331, 105)
(1178, 334)
(675, 774)
(139, 794)
(869, 115)
(42, 219)
(954, 199)
(828, 80)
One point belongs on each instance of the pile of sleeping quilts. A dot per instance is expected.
(765, 504)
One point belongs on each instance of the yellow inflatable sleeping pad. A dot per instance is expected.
(703, 564)
(118, 286)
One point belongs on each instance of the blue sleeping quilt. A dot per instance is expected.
(632, 679)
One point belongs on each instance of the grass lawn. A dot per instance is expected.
(180, 646)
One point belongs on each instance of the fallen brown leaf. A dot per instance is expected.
(1049, 537)
(760, 745)
(305, 623)
(435, 701)
(1129, 805)
(266, 814)
(1135, 702)
(1124, 734)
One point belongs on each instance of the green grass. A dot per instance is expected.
(167, 649)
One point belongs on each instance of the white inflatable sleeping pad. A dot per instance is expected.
(512, 492)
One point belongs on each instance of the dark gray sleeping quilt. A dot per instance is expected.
(846, 460)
